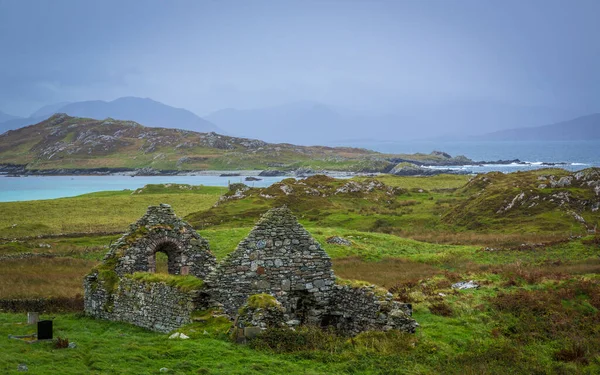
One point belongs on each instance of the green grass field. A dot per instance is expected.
(536, 311)
(97, 212)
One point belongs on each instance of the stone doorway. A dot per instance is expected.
(332, 320)
(302, 305)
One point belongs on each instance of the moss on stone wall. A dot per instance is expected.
(107, 275)
(185, 283)
(262, 301)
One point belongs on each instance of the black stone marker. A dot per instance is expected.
(44, 330)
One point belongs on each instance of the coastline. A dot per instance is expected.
(404, 168)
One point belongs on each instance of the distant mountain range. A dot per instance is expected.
(6, 117)
(312, 123)
(304, 123)
(145, 111)
(580, 128)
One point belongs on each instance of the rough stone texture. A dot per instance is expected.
(336, 240)
(152, 305)
(353, 310)
(263, 317)
(278, 258)
(160, 230)
(110, 294)
(98, 298)
(465, 285)
(155, 306)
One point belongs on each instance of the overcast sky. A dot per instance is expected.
(372, 55)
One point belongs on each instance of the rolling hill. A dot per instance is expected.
(310, 123)
(68, 143)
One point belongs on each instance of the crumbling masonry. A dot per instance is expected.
(279, 259)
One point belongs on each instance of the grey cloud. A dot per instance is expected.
(370, 55)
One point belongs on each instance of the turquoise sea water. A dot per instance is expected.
(48, 187)
(576, 154)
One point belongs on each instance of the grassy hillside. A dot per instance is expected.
(537, 201)
(99, 212)
(519, 206)
(536, 310)
(64, 142)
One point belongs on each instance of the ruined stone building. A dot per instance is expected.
(279, 259)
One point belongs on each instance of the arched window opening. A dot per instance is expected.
(162, 262)
(166, 258)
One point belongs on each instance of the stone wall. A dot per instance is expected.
(97, 300)
(356, 309)
(281, 258)
(152, 305)
(160, 230)
(278, 257)
(110, 293)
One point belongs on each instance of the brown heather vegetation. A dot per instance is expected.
(42, 277)
(493, 239)
(567, 312)
(386, 272)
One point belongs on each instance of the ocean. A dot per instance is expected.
(576, 154)
(48, 187)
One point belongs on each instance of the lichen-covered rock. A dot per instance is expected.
(336, 240)
(465, 285)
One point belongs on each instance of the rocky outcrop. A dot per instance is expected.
(272, 173)
(556, 198)
(336, 240)
(411, 169)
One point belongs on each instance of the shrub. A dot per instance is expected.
(61, 343)
(311, 338)
(576, 352)
(403, 290)
(567, 314)
(441, 309)
(47, 305)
